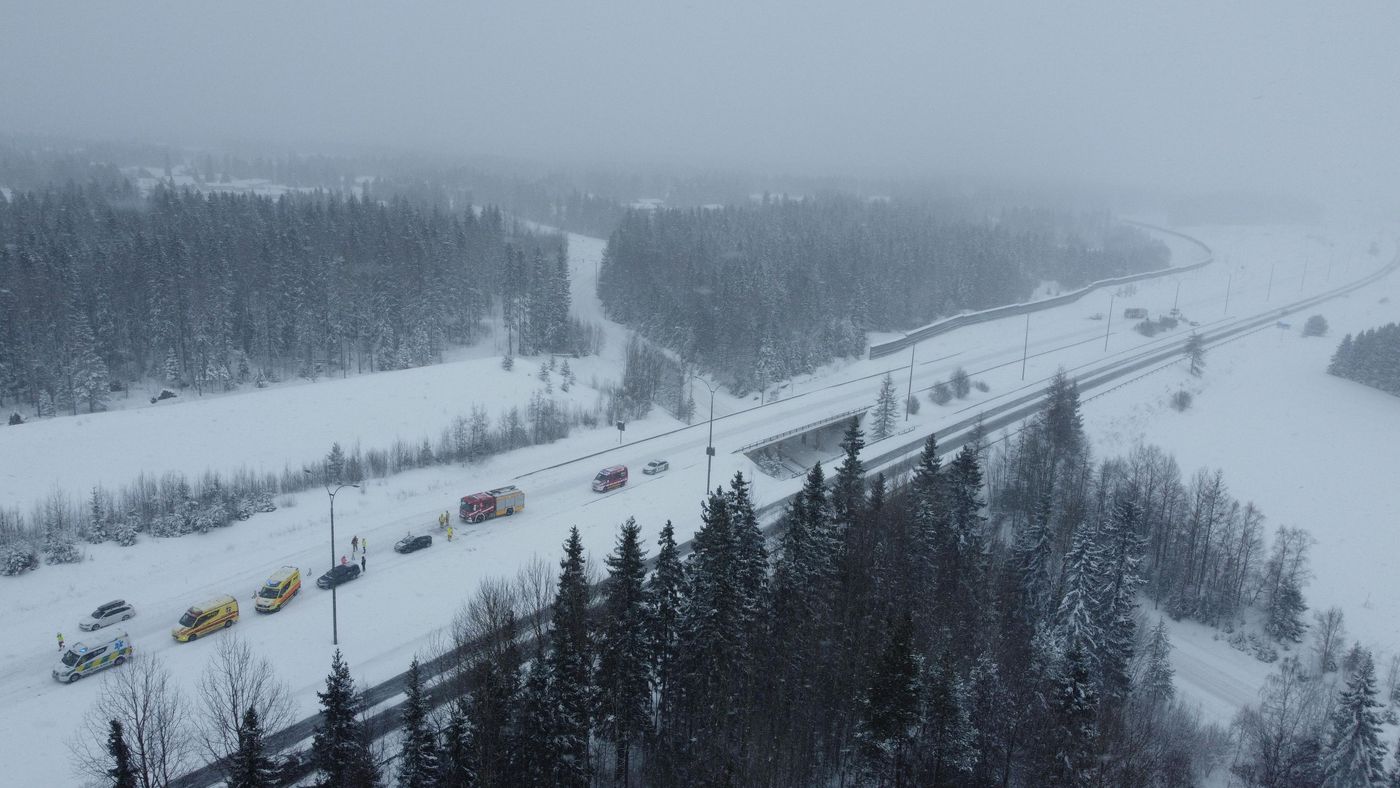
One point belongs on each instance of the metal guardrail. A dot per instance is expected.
(996, 313)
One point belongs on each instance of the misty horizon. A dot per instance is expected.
(1276, 98)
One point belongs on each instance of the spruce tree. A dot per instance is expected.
(496, 696)
(457, 764)
(623, 691)
(570, 663)
(1195, 352)
(1157, 677)
(535, 752)
(947, 741)
(711, 665)
(1122, 578)
(883, 420)
(340, 749)
(848, 490)
(1060, 420)
(665, 588)
(752, 556)
(1078, 619)
(1071, 742)
(249, 766)
(890, 710)
(418, 756)
(1355, 755)
(123, 774)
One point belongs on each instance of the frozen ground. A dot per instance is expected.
(1254, 393)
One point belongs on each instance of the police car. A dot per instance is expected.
(91, 655)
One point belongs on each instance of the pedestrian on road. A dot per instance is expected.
(363, 568)
(442, 520)
(343, 561)
(354, 544)
(449, 533)
(60, 641)
(364, 546)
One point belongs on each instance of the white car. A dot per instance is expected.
(655, 467)
(110, 613)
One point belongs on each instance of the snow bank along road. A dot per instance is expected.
(893, 456)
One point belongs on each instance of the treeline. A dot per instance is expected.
(761, 292)
(176, 505)
(213, 291)
(1204, 555)
(1372, 358)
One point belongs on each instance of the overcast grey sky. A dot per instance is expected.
(1299, 96)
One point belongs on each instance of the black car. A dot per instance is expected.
(339, 574)
(410, 543)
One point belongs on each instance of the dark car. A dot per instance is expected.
(338, 574)
(410, 543)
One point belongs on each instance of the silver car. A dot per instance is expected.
(110, 613)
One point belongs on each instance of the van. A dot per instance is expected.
(91, 655)
(610, 478)
(278, 589)
(205, 617)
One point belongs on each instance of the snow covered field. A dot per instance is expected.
(1268, 393)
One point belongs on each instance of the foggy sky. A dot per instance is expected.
(1295, 96)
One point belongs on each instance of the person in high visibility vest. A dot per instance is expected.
(442, 520)
(449, 533)
(60, 641)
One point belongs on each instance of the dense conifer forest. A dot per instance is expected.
(103, 287)
(1371, 357)
(758, 293)
(922, 634)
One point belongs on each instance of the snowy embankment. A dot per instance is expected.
(398, 608)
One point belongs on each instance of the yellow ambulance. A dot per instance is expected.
(205, 617)
(278, 589)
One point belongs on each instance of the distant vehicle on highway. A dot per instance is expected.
(410, 543)
(656, 466)
(338, 575)
(610, 478)
(106, 615)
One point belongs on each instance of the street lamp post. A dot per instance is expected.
(710, 447)
(335, 622)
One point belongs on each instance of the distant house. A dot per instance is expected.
(1135, 313)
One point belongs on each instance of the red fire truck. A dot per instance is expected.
(500, 502)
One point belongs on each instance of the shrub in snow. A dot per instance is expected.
(17, 558)
(1181, 400)
(941, 394)
(1315, 327)
(962, 384)
(124, 533)
(15, 418)
(507, 363)
(913, 406)
(1147, 328)
(62, 553)
(982, 386)
(164, 394)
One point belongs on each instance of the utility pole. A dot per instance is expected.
(1025, 348)
(1176, 298)
(1109, 327)
(909, 394)
(1229, 279)
(1270, 290)
(709, 449)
